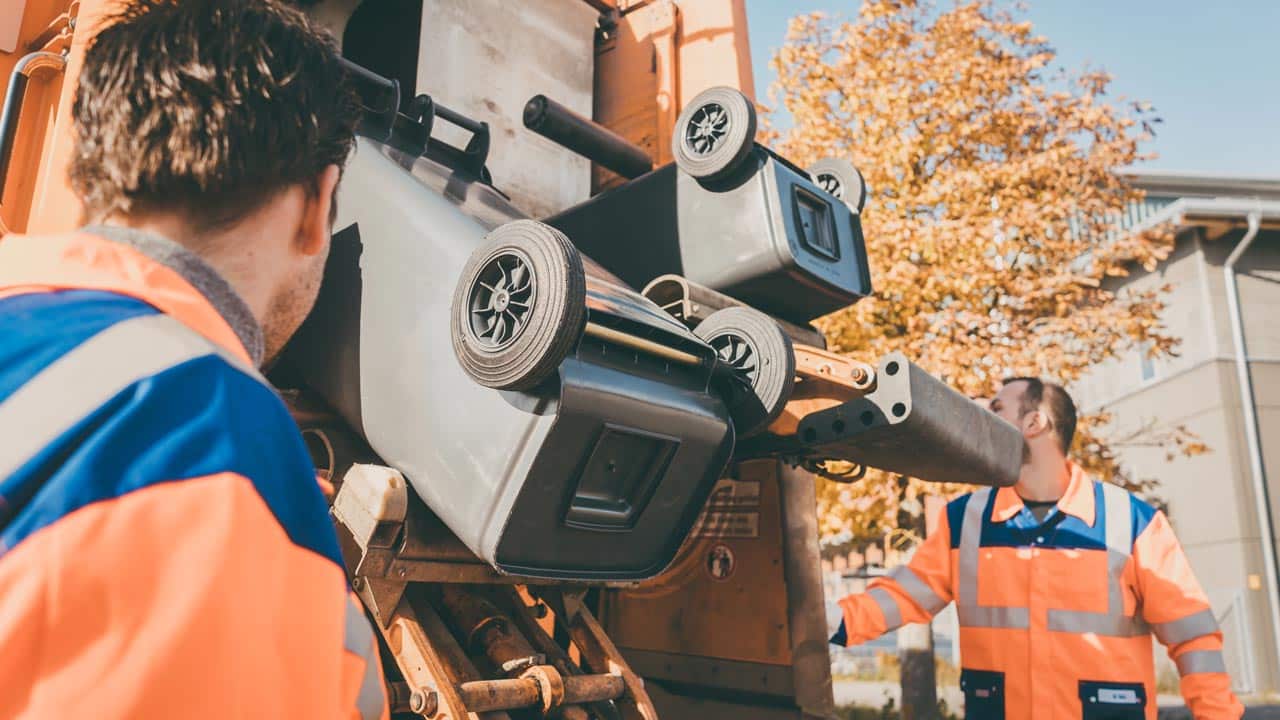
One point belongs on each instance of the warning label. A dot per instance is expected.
(727, 524)
(735, 493)
(721, 562)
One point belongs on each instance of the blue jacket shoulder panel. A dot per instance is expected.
(955, 517)
(38, 328)
(1143, 513)
(198, 418)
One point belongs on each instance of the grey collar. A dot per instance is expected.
(202, 277)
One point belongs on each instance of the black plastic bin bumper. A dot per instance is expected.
(914, 424)
(620, 479)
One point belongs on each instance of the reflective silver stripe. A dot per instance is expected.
(1079, 623)
(1188, 628)
(1118, 521)
(1118, 529)
(88, 376)
(1114, 622)
(357, 636)
(1009, 618)
(1201, 661)
(358, 640)
(888, 606)
(970, 537)
(971, 613)
(918, 589)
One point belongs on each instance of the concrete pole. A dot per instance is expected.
(919, 680)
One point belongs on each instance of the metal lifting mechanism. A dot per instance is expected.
(452, 624)
(561, 125)
(410, 129)
(484, 506)
(882, 417)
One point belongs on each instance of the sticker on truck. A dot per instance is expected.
(728, 524)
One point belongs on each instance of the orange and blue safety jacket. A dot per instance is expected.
(165, 550)
(1056, 616)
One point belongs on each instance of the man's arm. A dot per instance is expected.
(182, 600)
(911, 593)
(1179, 614)
(179, 562)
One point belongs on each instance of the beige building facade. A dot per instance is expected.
(1213, 499)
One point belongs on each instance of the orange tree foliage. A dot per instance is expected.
(990, 224)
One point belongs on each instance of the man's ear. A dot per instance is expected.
(313, 233)
(1035, 423)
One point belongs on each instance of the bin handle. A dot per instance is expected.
(27, 66)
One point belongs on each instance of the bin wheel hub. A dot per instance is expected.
(738, 354)
(831, 184)
(502, 299)
(707, 128)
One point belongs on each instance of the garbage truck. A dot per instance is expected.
(561, 371)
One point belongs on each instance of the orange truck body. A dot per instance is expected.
(658, 57)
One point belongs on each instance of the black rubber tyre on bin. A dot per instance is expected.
(714, 133)
(840, 178)
(519, 306)
(755, 346)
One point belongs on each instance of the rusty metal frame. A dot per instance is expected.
(400, 557)
(534, 622)
(427, 658)
(600, 654)
(440, 681)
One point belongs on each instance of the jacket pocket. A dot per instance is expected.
(983, 694)
(1113, 700)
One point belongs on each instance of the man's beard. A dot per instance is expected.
(289, 308)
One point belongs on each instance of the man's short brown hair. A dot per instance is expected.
(206, 108)
(1055, 401)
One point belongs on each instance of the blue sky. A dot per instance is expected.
(1211, 69)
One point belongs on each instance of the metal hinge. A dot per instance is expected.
(56, 36)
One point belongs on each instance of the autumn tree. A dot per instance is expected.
(991, 221)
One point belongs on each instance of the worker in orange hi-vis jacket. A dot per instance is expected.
(1059, 583)
(165, 550)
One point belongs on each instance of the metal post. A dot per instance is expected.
(27, 66)
(1261, 496)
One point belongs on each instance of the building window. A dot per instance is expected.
(1147, 363)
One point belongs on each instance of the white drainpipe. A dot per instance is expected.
(1260, 494)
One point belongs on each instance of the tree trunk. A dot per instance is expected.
(919, 684)
(915, 642)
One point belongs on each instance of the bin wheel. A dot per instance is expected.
(759, 352)
(519, 306)
(840, 178)
(714, 133)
